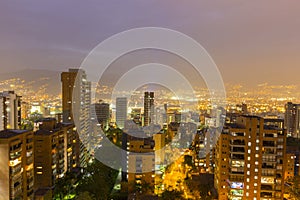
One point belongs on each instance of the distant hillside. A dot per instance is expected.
(36, 78)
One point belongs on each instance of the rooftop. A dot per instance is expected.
(45, 132)
(11, 133)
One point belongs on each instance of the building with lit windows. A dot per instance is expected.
(101, 113)
(292, 119)
(56, 152)
(121, 111)
(49, 157)
(250, 159)
(136, 115)
(10, 110)
(76, 99)
(141, 160)
(289, 171)
(16, 165)
(148, 108)
(160, 142)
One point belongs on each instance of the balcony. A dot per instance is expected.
(268, 166)
(269, 158)
(234, 178)
(269, 144)
(269, 151)
(238, 134)
(237, 157)
(266, 195)
(29, 160)
(238, 150)
(15, 154)
(53, 166)
(268, 173)
(237, 142)
(237, 170)
(16, 191)
(15, 169)
(266, 187)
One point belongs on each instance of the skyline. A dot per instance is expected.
(149, 100)
(262, 45)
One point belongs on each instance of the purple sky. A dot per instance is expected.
(252, 42)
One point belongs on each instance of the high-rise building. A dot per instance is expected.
(76, 102)
(173, 113)
(148, 108)
(141, 164)
(250, 159)
(160, 142)
(292, 119)
(25, 108)
(10, 110)
(121, 111)
(56, 152)
(101, 113)
(16, 164)
(49, 159)
(136, 115)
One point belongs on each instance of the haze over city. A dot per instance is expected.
(252, 42)
(158, 100)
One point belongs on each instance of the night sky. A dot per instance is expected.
(252, 42)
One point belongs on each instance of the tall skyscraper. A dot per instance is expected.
(148, 108)
(250, 159)
(76, 99)
(16, 164)
(292, 119)
(101, 113)
(10, 110)
(121, 111)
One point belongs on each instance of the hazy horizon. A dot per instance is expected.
(252, 42)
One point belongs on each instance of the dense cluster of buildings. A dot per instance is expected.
(249, 156)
